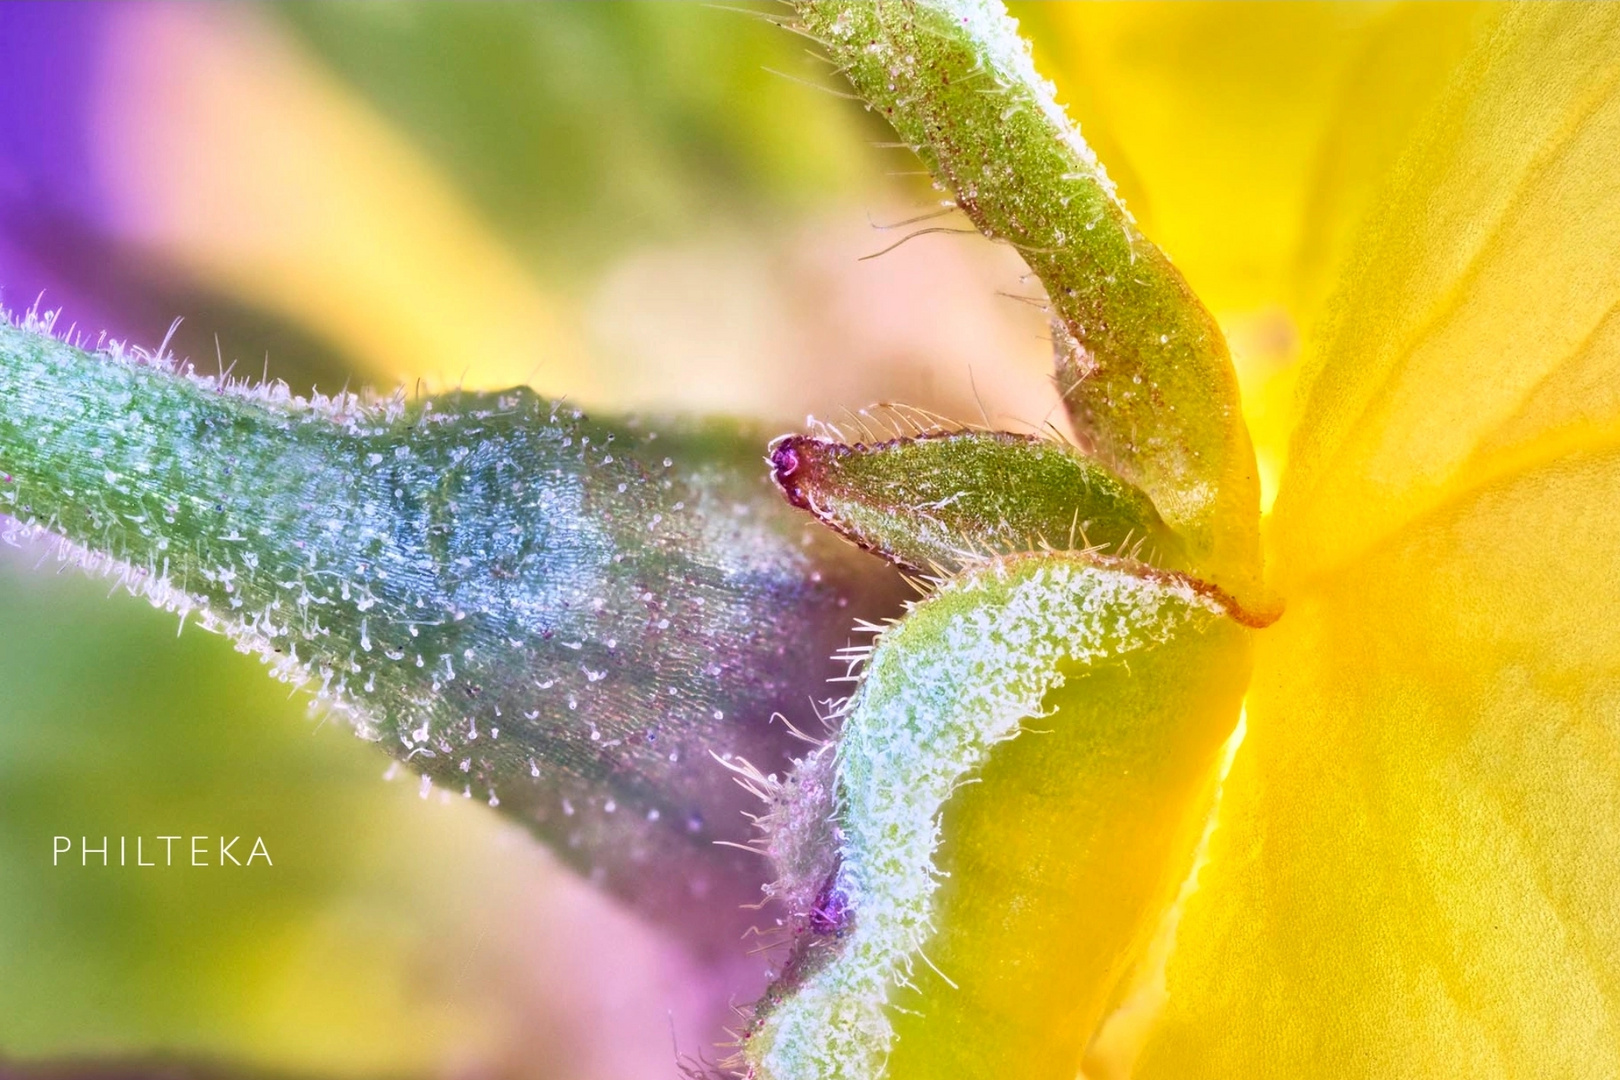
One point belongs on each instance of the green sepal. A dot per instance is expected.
(937, 501)
(1021, 782)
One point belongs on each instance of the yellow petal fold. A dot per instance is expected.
(1183, 101)
(1247, 138)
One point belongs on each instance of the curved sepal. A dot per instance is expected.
(1018, 788)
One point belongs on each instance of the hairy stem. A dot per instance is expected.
(1143, 367)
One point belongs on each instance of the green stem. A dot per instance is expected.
(1143, 366)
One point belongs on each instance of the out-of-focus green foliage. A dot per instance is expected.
(580, 128)
(110, 726)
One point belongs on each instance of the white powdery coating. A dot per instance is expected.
(957, 676)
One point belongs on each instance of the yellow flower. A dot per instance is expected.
(1413, 871)
(1409, 870)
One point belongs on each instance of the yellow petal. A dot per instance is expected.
(1416, 871)
(1246, 137)
(1478, 315)
(1417, 867)
(1405, 60)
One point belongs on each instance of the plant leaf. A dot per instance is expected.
(541, 610)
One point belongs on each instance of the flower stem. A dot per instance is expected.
(1144, 368)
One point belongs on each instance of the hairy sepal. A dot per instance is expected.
(1062, 845)
(937, 501)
